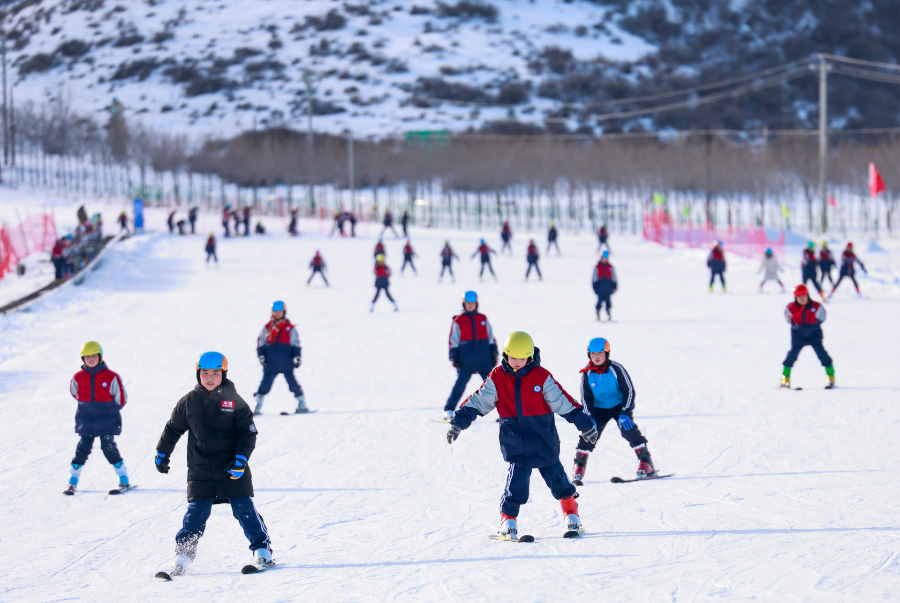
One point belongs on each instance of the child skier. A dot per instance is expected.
(123, 222)
(848, 268)
(408, 255)
(716, 263)
(389, 223)
(473, 349)
(192, 218)
(279, 351)
(826, 263)
(171, 221)
(602, 236)
(506, 236)
(226, 214)
(805, 317)
(808, 267)
(532, 257)
(211, 249)
(485, 252)
(379, 249)
(292, 227)
(608, 394)
(772, 268)
(526, 395)
(100, 395)
(221, 438)
(605, 284)
(551, 238)
(404, 222)
(447, 255)
(318, 267)
(382, 281)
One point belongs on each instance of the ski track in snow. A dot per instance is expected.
(778, 495)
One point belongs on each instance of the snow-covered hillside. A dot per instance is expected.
(778, 495)
(222, 66)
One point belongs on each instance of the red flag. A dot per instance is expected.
(876, 182)
(832, 202)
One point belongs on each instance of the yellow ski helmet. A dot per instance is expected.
(379, 258)
(519, 345)
(90, 348)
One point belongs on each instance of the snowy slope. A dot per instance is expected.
(779, 495)
(251, 55)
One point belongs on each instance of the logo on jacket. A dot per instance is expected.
(252, 427)
(537, 389)
(227, 404)
(104, 384)
(483, 323)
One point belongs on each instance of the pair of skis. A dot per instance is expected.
(119, 490)
(530, 538)
(247, 569)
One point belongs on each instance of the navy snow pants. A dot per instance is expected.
(712, 277)
(602, 416)
(315, 270)
(407, 259)
(516, 493)
(535, 265)
(265, 385)
(798, 342)
(107, 445)
(60, 265)
(242, 508)
(810, 275)
(485, 262)
(462, 380)
(447, 267)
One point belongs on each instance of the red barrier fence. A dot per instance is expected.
(748, 242)
(34, 235)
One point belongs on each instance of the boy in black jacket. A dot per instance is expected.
(221, 437)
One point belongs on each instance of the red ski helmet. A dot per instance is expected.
(849, 245)
(800, 290)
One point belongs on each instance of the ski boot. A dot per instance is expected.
(609, 316)
(263, 558)
(70, 490)
(645, 463)
(786, 377)
(122, 472)
(259, 401)
(581, 459)
(573, 522)
(74, 474)
(598, 315)
(396, 309)
(301, 408)
(181, 564)
(830, 372)
(509, 528)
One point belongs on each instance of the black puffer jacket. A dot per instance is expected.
(220, 426)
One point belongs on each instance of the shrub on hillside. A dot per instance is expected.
(73, 48)
(466, 9)
(141, 69)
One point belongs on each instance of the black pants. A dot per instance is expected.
(391, 226)
(107, 445)
(447, 267)
(811, 276)
(553, 243)
(378, 293)
(60, 265)
(850, 276)
(826, 271)
(194, 226)
(506, 245)
(486, 262)
(602, 416)
(408, 260)
(712, 277)
(317, 269)
(211, 253)
(462, 380)
(798, 343)
(534, 264)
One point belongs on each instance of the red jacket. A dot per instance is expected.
(532, 249)
(382, 271)
(58, 251)
(317, 261)
(408, 250)
(809, 257)
(605, 271)
(100, 395)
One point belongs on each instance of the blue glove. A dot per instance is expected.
(625, 423)
(162, 463)
(236, 467)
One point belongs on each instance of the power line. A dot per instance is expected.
(840, 59)
(867, 74)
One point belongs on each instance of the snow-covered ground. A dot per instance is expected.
(779, 495)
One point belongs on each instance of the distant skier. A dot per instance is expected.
(805, 317)
(226, 214)
(123, 223)
(292, 227)
(192, 218)
(260, 229)
(318, 267)
(506, 236)
(532, 257)
(447, 255)
(171, 221)
(605, 284)
(382, 281)
(338, 223)
(485, 252)
(389, 223)
(408, 255)
(246, 215)
(848, 268)
(552, 239)
(379, 249)
(473, 349)
(211, 249)
(235, 215)
(100, 395)
(221, 438)
(181, 224)
(809, 265)
(279, 351)
(608, 394)
(771, 267)
(351, 217)
(58, 257)
(826, 263)
(526, 396)
(404, 222)
(603, 236)
(716, 264)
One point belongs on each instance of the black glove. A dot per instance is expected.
(296, 361)
(162, 463)
(456, 363)
(494, 360)
(454, 433)
(262, 361)
(591, 435)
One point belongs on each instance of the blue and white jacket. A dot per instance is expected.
(607, 386)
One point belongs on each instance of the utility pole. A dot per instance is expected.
(824, 68)
(310, 171)
(5, 110)
(350, 175)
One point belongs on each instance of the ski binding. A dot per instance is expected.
(522, 538)
(619, 480)
(123, 489)
(573, 533)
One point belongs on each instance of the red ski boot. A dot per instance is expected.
(645, 463)
(573, 522)
(581, 459)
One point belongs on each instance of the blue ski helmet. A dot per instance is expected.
(598, 344)
(470, 297)
(482, 241)
(606, 254)
(769, 251)
(212, 360)
(278, 306)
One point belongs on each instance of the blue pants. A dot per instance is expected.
(107, 445)
(516, 493)
(462, 380)
(244, 511)
(798, 343)
(269, 376)
(810, 275)
(315, 270)
(446, 267)
(712, 277)
(485, 262)
(530, 264)
(60, 265)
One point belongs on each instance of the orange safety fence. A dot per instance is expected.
(35, 234)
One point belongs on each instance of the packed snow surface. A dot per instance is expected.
(778, 495)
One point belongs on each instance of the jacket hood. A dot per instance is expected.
(535, 361)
